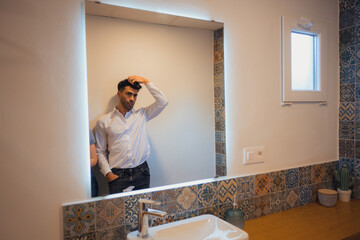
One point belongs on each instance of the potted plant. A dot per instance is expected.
(345, 183)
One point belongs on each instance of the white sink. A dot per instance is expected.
(204, 227)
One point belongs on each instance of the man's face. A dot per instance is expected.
(128, 97)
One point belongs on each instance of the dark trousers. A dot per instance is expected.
(139, 177)
(94, 185)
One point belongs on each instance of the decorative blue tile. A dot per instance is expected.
(357, 130)
(220, 136)
(357, 73)
(167, 200)
(226, 190)
(346, 148)
(277, 202)
(277, 181)
(318, 173)
(292, 178)
(186, 198)
(207, 195)
(347, 112)
(262, 206)
(347, 56)
(305, 176)
(305, 195)
(357, 15)
(79, 219)
(347, 18)
(357, 34)
(357, 54)
(347, 37)
(219, 103)
(246, 187)
(347, 92)
(248, 207)
(291, 198)
(220, 148)
(357, 149)
(220, 159)
(109, 213)
(347, 74)
(357, 168)
(346, 130)
(329, 169)
(346, 4)
(357, 112)
(262, 184)
(357, 92)
(219, 125)
(220, 170)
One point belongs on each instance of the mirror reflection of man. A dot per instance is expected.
(121, 137)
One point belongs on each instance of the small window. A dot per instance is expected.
(303, 61)
(304, 67)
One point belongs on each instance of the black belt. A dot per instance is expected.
(125, 170)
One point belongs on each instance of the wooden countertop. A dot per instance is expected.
(311, 221)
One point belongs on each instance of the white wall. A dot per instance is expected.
(43, 100)
(43, 112)
(180, 62)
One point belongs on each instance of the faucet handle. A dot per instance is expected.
(148, 201)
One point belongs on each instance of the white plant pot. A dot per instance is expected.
(344, 196)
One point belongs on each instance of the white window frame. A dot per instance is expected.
(289, 24)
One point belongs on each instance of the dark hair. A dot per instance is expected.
(122, 84)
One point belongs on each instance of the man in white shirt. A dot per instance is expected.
(121, 138)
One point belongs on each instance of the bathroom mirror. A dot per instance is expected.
(177, 54)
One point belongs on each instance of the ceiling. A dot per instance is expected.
(106, 10)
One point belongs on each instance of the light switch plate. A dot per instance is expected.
(254, 155)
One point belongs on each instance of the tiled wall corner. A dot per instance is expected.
(349, 110)
(219, 103)
(257, 195)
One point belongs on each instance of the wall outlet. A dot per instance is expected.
(254, 155)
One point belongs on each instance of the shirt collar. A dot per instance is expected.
(117, 111)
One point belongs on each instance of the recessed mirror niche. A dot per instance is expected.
(184, 58)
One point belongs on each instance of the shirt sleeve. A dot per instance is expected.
(160, 102)
(92, 138)
(101, 147)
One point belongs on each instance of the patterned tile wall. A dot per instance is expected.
(257, 195)
(349, 111)
(219, 99)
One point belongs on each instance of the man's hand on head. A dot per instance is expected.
(138, 79)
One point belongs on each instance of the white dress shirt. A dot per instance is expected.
(122, 142)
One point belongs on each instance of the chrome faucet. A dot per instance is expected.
(144, 212)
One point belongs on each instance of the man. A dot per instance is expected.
(121, 138)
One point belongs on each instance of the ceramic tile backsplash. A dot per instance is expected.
(262, 184)
(257, 195)
(79, 220)
(219, 103)
(349, 109)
